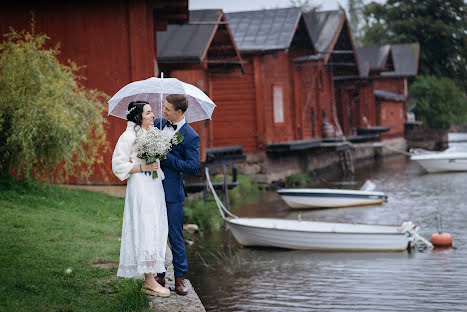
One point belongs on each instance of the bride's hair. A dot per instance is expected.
(135, 112)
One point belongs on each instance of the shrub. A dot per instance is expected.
(50, 126)
(299, 179)
(437, 102)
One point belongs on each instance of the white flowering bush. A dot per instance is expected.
(152, 146)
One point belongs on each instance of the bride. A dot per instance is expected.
(145, 229)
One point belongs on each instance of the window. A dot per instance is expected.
(320, 80)
(278, 102)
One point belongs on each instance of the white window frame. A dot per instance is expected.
(278, 103)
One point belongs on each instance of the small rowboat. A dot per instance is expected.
(329, 198)
(309, 235)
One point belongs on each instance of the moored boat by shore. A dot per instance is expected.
(329, 198)
(442, 161)
(309, 235)
(312, 235)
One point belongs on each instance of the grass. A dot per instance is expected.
(298, 180)
(207, 217)
(52, 237)
(45, 233)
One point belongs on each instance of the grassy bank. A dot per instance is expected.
(51, 238)
(60, 247)
(207, 216)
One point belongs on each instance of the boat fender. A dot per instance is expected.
(441, 240)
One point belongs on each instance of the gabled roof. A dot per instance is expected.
(374, 59)
(206, 39)
(332, 39)
(265, 30)
(187, 42)
(406, 58)
(323, 27)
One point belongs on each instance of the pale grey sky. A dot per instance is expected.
(250, 5)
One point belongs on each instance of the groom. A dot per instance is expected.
(182, 159)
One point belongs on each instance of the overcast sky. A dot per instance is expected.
(251, 5)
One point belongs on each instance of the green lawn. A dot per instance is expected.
(47, 230)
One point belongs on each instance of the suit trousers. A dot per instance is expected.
(177, 242)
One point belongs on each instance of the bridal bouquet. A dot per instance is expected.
(152, 146)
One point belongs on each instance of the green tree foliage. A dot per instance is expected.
(51, 127)
(306, 5)
(355, 8)
(437, 102)
(438, 25)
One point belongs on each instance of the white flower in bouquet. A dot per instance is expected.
(152, 146)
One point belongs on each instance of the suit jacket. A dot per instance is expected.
(182, 159)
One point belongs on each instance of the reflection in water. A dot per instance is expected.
(244, 279)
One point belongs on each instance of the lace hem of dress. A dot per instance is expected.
(143, 267)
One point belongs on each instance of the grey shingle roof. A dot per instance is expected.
(264, 30)
(187, 42)
(323, 27)
(406, 57)
(372, 58)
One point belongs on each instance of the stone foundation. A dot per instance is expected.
(276, 167)
(429, 139)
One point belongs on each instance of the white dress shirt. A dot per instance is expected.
(169, 131)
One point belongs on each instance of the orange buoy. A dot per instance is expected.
(441, 240)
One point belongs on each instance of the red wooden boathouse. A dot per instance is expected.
(389, 67)
(115, 40)
(199, 53)
(334, 93)
(260, 108)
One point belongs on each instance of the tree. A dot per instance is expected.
(50, 126)
(306, 5)
(355, 9)
(438, 102)
(438, 25)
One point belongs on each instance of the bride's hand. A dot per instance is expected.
(151, 167)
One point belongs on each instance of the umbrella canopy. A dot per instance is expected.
(155, 90)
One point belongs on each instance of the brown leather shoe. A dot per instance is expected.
(180, 287)
(160, 280)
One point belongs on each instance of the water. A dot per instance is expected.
(244, 279)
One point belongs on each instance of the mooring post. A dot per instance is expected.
(225, 188)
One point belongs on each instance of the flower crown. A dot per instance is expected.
(129, 111)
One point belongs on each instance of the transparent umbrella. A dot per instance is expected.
(154, 90)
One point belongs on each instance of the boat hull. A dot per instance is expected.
(442, 165)
(300, 199)
(248, 235)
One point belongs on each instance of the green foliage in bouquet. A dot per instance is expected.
(50, 126)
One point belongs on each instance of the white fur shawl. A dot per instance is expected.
(124, 156)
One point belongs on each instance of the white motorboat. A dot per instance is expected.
(442, 161)
(330, 198)
(309, 235)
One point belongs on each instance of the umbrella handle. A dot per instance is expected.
(160, 120)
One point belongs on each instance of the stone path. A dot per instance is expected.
(176, 303)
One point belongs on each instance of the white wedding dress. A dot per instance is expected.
(145, 229)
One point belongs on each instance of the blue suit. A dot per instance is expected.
(182, 159)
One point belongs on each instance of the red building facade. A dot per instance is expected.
(113, 40)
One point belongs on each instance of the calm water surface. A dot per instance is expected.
(228, 278)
